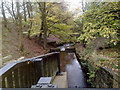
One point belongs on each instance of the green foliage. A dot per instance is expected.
(112, 54)
(115, 66)
(25, 23)
(59, 21)
(36, 24)
(101, 59)
(78, 25)
(25, 52)
(101, 20)
(84, 65)
(87, 52)
(64, 31)
(91, 77)
(92, 74)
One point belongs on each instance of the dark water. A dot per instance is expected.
(70, 64)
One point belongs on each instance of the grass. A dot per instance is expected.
(111, 63)
(101, 59)
(111, 53)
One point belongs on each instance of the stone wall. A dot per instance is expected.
(106, 78)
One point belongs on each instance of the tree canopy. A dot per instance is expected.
(101, 20)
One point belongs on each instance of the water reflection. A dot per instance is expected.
(70, 64)
(65, 59)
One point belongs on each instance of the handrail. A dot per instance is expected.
(10, 65)
(26, 72)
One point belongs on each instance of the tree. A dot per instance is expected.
(11, 10)
(19, 16)
(30, 16)
(24, 8)
(101, 20)
(3, 13)
(52, 18)
(14, 16)
(42, 7)
(60, 21)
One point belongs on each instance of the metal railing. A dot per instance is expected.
(25, 73)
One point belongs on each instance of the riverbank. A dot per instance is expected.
(101, 70)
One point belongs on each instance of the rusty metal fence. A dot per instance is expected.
(25, 73)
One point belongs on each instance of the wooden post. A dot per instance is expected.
(58, 59)
(10, 80)
(3, 82)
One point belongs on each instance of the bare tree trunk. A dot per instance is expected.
(10, 12)
(24, 11)
(42, 8)
(19, 16)
(18, 12)
(29, 9)
(40, 35)
(44, 25)
(84, 43)
(31, 16)
(83, 6)
(15, 18)
(21, 33)
(3, 13)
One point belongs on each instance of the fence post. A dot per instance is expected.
(58, 58)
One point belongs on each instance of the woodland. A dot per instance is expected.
(96, 27)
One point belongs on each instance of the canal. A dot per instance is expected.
(75, 75)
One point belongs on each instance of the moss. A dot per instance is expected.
(25, 53)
